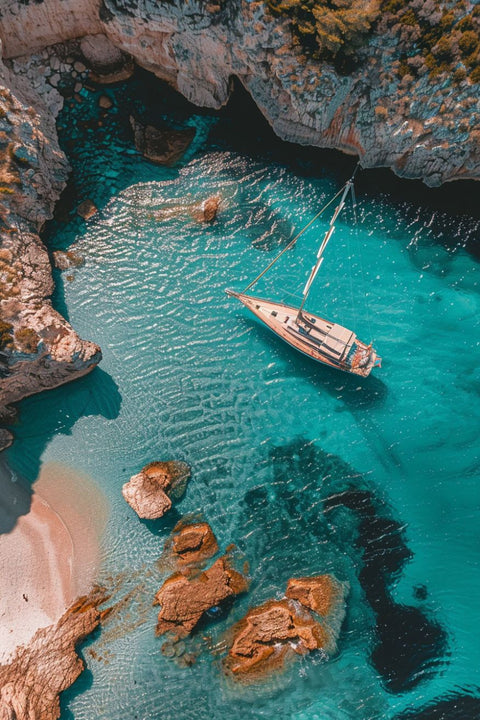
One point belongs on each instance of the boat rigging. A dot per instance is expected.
(323, 340)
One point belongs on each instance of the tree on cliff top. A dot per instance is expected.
(329, 29)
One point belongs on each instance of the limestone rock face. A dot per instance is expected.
(420, 127)
(148, 492)
(31, 683)
(194, 543)
(183, 601)
(163, 146)
(33, 172)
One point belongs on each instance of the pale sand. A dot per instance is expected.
(52, 555)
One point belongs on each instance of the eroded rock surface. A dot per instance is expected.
(421, 126)
(33, 172)
(194, 543)
(274, 632)
(31, 683)
(148, 492)
(320, 593)
(163, 146)
(269, 634)
(107, 62)
(183, 601)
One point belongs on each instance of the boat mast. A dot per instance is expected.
(292, 242)
(325, 241)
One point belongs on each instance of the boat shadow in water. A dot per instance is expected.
(41, 417)
(355, 392)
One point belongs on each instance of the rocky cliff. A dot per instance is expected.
(390, 109)
(38, 348)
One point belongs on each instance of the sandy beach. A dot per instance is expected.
(52, 554)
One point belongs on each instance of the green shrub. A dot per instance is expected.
(468, 42)
(329, 29)
(460, 74)
(475, 75)
(27, 340)
(443, 50)
(6, 338)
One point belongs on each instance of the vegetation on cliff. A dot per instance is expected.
(431, 36)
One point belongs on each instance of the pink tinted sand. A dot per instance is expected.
(52, 555)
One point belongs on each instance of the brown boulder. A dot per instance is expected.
(105, 102)
(147, 491)
(87, 209)
(210, 208)
(183, 601)
(108, 64)
(268, 634)
(163, 146)
(194, 543)
(31, 683)
(320, 593)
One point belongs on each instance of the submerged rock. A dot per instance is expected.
(31, 683)
(104, 102)
(194, 543)
(87, 209)
(147, 491)
(160, 145)
(183, 601)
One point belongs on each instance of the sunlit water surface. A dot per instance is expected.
(187, 374)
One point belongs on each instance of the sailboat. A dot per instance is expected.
(323, 340)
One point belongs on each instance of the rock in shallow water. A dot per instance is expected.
(194, 543)
(183, 601)
(163, 146)
(319, 594)
(271, 633)
(87, 209)
(147, 491)
(69, 259)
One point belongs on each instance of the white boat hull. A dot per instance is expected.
(323, 341)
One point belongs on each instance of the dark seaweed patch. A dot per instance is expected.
(408, 642)
(316, 514)
(455, 707)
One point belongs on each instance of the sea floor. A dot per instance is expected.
(305, 469)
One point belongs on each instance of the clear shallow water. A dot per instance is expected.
(271, 436)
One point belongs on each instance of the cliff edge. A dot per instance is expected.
(38, 347)
(394, 82)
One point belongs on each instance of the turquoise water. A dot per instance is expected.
(306, 470)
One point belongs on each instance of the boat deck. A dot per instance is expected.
(320, 339)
